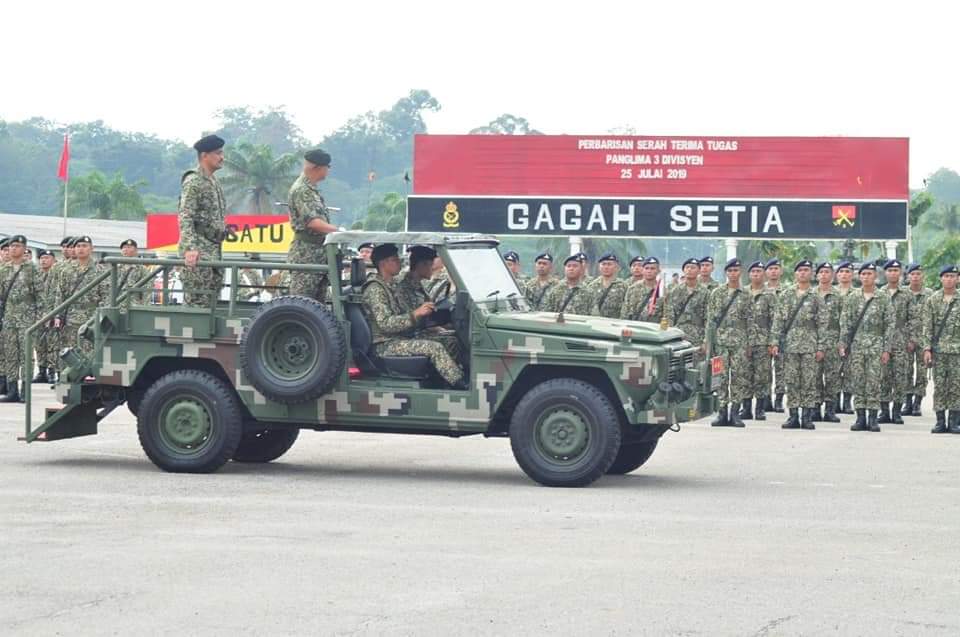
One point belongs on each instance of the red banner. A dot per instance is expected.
(848, 168)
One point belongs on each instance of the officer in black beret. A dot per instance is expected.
(686, 305)
(916, 370)
(364, 251)
(636, 269)
(757, 365)
(571, 295)
(537, 287)
(202, 224)
(895, 386)
(20, 307)
(607, 288)
(729, 314)
(941, 342)
(706, 274)
(311, 223)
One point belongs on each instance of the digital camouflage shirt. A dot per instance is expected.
(686, 309)
(729, 330)
(570, 300)
(900, 300)
(609, 297)
(832, 303)
(915, 314)
(74, 277)
(536, 291)
(941, 325)
(874, 333)
(306, 204)
(763, 311)
(800, 322)
(387, 316)
(21, 294)
(637, 304)
(201, 216)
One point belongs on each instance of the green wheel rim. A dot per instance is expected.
(186, 426)
(562, 435)
(289, 350)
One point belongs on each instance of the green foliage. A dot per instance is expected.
(271, 126)
(506, 124)
(944, 186)
(389, 214)
(946, 252)
(253, 178)
(94, 195)
(920, 203)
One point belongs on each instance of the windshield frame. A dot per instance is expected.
(505, 287)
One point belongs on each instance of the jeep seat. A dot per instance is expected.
(361, 342)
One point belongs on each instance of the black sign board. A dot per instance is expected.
(606, 217)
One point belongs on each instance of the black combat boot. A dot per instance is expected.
(907, 409)
(12, 395)
(761, 414)
(831, 414)
(954, 422)
(941, 426)
(873, 424)
(721, 419)
(861, 422)
(746, 409)
(896, 417)
(846, 407)
(793, 422)
(915, 409)
(735, 419)
(778, 404)
(884, 417)
(41, 376)
(816, 413)
(806, 420)
(768, 403)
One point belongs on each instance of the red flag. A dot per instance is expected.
(63, 170)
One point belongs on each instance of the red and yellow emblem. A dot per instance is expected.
(844, 216)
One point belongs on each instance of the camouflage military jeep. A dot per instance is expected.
(577, 396)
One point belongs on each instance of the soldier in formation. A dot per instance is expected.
(916, 369)
(729, 314)
(130, 275)
(512, 259)
(773, 272)
(537, 287)
(843, 288)
(636, 270)
(706, 273)
(19, 308)
(894, 386)
(644, 301)
(941, 350)
(686, 306)
(828, 373)
(310, 220)
(46, 340)
(571, 295)
(757, 364)
(82, 272)
(607, 288)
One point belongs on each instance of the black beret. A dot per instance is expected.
(318, 157)
(419, 254)
(17, 238)
(845, 265)
(511, 256)
(756, 265)
(914, 267)
(44, 253)
(546, 256)
(826, 265)
(706, 260)
(690, 261)
(383, 251)
(82, 239)
(732, 263)
(573, 258)
(868, 267)
(771, 263)
(949, 269)
(365, 245)
(581, 257)
(803, 263)
(609, 256)
(65, 241)
(637, 259)
(651, 261)
(128, 242)
(4, 243)
(892, 263)
(209, 144)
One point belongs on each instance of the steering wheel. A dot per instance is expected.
(443, 293)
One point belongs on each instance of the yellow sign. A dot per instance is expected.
(451, 216)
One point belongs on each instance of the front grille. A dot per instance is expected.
(680, 361)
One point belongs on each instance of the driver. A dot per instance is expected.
(412, 294)
(393, 325)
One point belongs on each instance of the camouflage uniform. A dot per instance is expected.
(779, 373)
(394, 330)
(306, 204)
(828, 375)
(846, 384)
(75, 315)
(47, 339)
(894, 384)
(411, 293)
(437, 286)
(202, 227)
(873, 337)
(253, 281)
(574, 300)
(128, 277)
(946, 350)
(686, 309)
(710, 285)
(21, 308)
(916, 370)
(609, 298)
(536, 293)
(636, 304)
(758, 342)
(729, 340)
(800, 343)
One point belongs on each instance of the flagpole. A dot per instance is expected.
(66, 182)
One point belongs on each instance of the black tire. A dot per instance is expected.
(631, 457)
(264, 445)
(293, 350)
(190, 422)
(564, 433)
(134, 398)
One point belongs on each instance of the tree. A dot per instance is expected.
(271, 126)
(506, 124)
(254, 177)
(95, 196)
(946, 252)
(389, 214)
(944, 186)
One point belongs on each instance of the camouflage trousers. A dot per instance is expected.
(917, 373)
(895, 383)
(865, 370)
(758, 371)
(828, 375)
(734, 383)
(201, 279)
(440, 358)
(48, 348)
(800, 373)
(946, 382)
(450, 342)
(311, 284)
(11, 342)
(779, 375)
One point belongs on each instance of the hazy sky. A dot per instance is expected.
(705, 68)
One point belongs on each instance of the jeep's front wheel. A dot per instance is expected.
(564, 433)
(189, 422)
(631, 457)
(265, 445)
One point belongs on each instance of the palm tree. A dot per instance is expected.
(254, 177)
(388, 214)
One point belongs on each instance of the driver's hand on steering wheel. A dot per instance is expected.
(424, 310)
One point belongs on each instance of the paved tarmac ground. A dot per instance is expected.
(724, 532)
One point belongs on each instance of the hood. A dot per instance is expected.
(578, 326)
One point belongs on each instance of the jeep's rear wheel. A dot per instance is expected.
(264, 445)
(189, 421)
(631, 457)
(564, 433)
